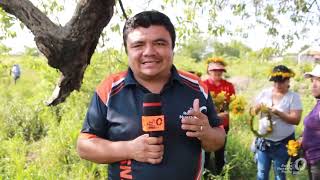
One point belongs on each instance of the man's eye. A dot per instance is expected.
(136, 45)
(160, 43)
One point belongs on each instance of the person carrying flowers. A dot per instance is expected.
(285, 108)
(311, 133)
(221, 91)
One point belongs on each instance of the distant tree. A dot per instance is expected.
(192, 48)
(219, 49)
(233, 49)
(31, 51)
(266, 53)
(4, 50)
(304, 47)
(242, 48)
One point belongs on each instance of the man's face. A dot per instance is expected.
(150, 52)
(315, 86)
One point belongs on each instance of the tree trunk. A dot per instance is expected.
(67, 48)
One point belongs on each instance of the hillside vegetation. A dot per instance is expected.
(38, 142)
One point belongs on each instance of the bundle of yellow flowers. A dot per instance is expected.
(237, 105)
(293, 147)
(220, 100)
(216, 60)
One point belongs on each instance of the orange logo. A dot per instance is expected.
(153, 123)
(125, 170)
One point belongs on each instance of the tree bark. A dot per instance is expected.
(68, 48)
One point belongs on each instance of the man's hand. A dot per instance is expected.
(146, 149)
(196, 123)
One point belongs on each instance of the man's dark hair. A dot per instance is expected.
(146, 19)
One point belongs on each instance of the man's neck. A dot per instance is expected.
(154, 85)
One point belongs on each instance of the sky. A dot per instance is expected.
(257, 38)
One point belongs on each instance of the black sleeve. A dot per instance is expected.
(96, 118)
(214, 120)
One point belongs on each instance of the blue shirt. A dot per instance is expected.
(115, 114)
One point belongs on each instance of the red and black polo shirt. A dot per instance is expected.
(115, 114)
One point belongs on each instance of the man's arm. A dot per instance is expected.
(197, 125)
(99, 150)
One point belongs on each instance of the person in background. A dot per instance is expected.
(112, 130)
(15, 72)
(216, 84)
(311, 133)
(285, 108)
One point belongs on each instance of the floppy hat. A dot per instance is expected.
(216, 66)
(315, 72)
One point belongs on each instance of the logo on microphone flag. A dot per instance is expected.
(153, 123)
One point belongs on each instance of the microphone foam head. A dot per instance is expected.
(151, 104)
(151, 98)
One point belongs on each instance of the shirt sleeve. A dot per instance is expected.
(259, 97)
(296, 102)
(95, 121)
(212, 113)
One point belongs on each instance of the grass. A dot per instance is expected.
(38, 142)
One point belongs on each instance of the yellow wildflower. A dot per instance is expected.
(237, 104)
(283, 74)
(293, 147)
(219, 99)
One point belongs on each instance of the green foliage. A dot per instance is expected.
(235, 49)
(7, 21)
(38, 142)
(22, 121)
(51, 6)
(267, 52)
(194, 49)
(304, 47)
(221, 49)
(4, 50)
(31, 51)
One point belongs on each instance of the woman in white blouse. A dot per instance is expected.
(285, 108)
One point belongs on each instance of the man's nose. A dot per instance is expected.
(149, 50)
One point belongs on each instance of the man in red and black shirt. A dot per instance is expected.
(216, 84)
(112, 131)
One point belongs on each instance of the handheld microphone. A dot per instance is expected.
(153, 121)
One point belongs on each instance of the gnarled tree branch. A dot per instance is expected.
(67, 48)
